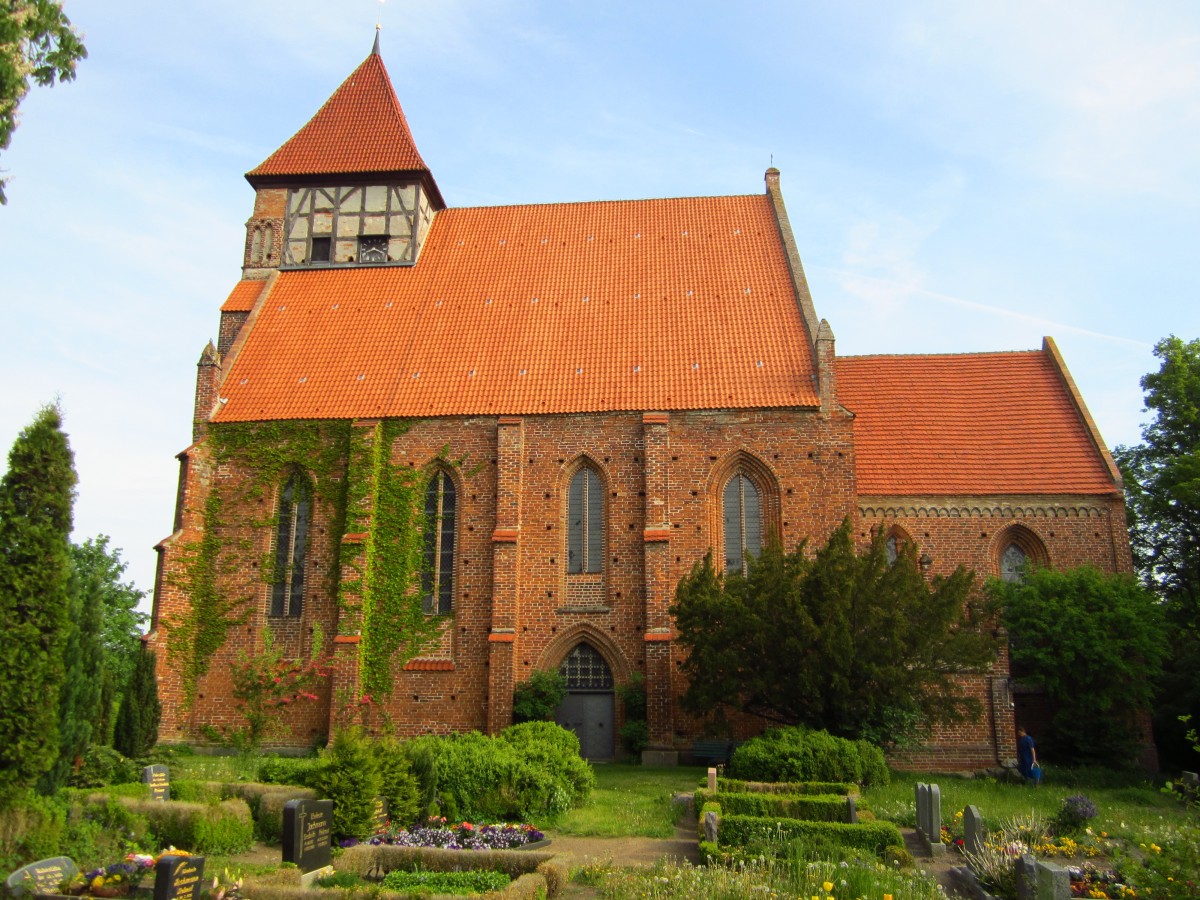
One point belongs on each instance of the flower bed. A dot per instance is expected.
(459, 836)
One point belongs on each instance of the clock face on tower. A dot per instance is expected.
(353, 225)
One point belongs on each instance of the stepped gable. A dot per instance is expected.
(360, 130)
(559, 308)
(973, 424)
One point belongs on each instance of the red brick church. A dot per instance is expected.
(590, 397)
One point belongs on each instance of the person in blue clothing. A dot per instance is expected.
(1027, 763)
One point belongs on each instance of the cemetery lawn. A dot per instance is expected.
(631, 801)
(1130, 806)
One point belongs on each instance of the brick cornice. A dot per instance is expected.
(505, 535)
(982, 508)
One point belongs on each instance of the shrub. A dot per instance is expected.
(798, 754)
(349, 776)
(286, 770)
(1074, 814)
(536, 699)
(398, 785)
(737, 786)
(210, 828)
(555, 749)
(813, 808)
(469, 882)
(635, 736)
(873, 837)
(190, 791)
(31, 828)
(104, 766)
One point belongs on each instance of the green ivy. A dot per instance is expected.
(349, 465)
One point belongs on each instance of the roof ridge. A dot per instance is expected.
(959, 355)
(607, 202)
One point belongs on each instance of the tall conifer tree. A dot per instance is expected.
(138, 718)
(36, 496)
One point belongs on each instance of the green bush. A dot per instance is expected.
(104, 766)
(470, 882)
(531, 771)
(210, 828)
(349, 776)
(286, 770)
(813, 808)
(31, 828)
(190, 791)
(635, 736)
(398, 785)
(536, 699)
(743, 831)
(737, 786)
(799, 754)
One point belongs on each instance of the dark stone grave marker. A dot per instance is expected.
(307, 832)
(159, 779)
(42, 877)
(178, 877)
(379, 816)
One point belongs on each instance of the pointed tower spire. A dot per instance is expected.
(361, 130)
(375, 49)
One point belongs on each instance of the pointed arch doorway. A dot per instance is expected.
(587, 709)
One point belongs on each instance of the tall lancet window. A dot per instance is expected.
(585, 523)
(437, 579)
(291, 542)
(741, 511)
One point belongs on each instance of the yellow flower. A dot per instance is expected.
(98, 882)
(887, 897)
(827, 886)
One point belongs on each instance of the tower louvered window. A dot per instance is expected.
(585, 523)
(437, 579)
(741, 510)
(291, 541)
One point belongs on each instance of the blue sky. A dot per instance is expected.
(959, 177)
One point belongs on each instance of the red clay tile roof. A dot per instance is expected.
(562, 308)
(361, 128)
(970, 424)
(242, 297)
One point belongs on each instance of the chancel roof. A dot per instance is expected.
(972, 424)
(559, 308)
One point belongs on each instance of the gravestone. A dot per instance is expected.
(973, 830)
(307, 832)
(1026, 872)
(159, 779)
(921, 790)
(712, 779)
(42, 877)
(934, 815)
(178, 877)
(379, 815)
(851, 811)
(710, 827)
(1053, 882)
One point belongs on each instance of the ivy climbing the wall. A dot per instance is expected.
(376, 522)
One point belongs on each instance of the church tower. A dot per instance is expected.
(348, 189)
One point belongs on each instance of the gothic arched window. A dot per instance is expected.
(585, 522)
(741, 513)
(291, 541)
(437, 579)
(1013, 563)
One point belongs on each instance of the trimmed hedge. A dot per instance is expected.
(874, 837)
(206, 828)
(813, 808)
(799, 754)
(370, 860)
(266, 803)
(736, 786)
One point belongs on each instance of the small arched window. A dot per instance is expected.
(256, 246)
(291, 542)
(1014, 562)
(741, 511)
(437, 578)
(585, 523)
(268, 242)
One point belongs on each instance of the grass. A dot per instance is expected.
(631, 801)
(1130, 810)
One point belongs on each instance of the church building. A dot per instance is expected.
(584, 399)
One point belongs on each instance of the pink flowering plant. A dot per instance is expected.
(438, 832)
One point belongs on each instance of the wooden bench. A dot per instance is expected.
(713, 752)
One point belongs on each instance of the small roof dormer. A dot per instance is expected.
(354, 188)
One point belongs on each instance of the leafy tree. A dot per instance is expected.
(36, 496)
(1162, 494)
(537, 698)
(1095, 643)
(843, 641)
(101, 567)
(38, 42)
(79, 711)
(137, 721)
